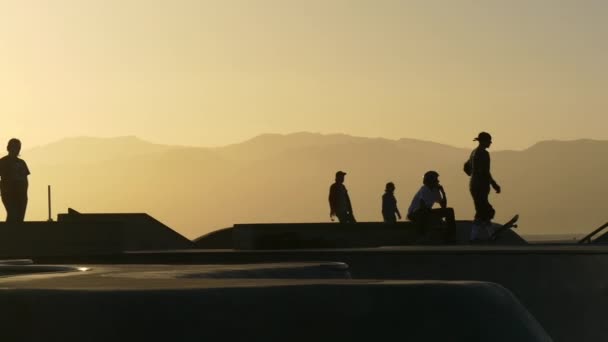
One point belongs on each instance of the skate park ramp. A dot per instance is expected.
(140, 231)
(217, 239)
(88, 234)
(160, 303)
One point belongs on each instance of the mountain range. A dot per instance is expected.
(557, 187)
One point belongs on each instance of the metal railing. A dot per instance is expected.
(587, 239)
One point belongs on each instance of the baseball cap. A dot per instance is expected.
(483, 136)
(340, 173)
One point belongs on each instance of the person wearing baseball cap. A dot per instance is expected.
(339, 201)
(478, 168)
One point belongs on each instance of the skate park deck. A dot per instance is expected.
(551, 281)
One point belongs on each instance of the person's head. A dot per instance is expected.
(340, 177)
(484, 139)
(390, 187)
(431, 179)
(14, 147)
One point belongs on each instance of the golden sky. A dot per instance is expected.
(217, 72)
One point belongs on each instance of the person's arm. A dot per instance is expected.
(468, 168)
(349, 206)
(393, 207)
(350, 209)
(495, 185)
(332, 202)
(484, 168)
(385, 205)
(444, 199)
(27, 169)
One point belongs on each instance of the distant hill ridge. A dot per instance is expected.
(131, 145)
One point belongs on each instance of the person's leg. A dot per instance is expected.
(12, 202)
(351, 218)
(20, 206)
(491, 212)
(450, 220)
(418, 220)
(7, 205)
(478, 202)
(342, 217)
(487, 211)
(389, 218)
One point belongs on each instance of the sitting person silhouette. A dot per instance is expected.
(389, 204)
(421, 209)
(14, 183)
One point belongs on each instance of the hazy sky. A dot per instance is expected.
(216, 72)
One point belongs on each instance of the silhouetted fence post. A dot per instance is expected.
(49, 199)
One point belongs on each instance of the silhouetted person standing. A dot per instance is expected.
(389, 204)
(478, 167)
(339, 201)
(13, 182)
(421, 209)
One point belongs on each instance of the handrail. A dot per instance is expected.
(587, 239)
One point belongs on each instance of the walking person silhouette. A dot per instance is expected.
(339, 201)
(478, 168)
(13, 182)
(389, 204)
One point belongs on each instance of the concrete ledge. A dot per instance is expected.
(34, 239)
(334, 235)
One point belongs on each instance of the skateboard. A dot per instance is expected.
(512, 223)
